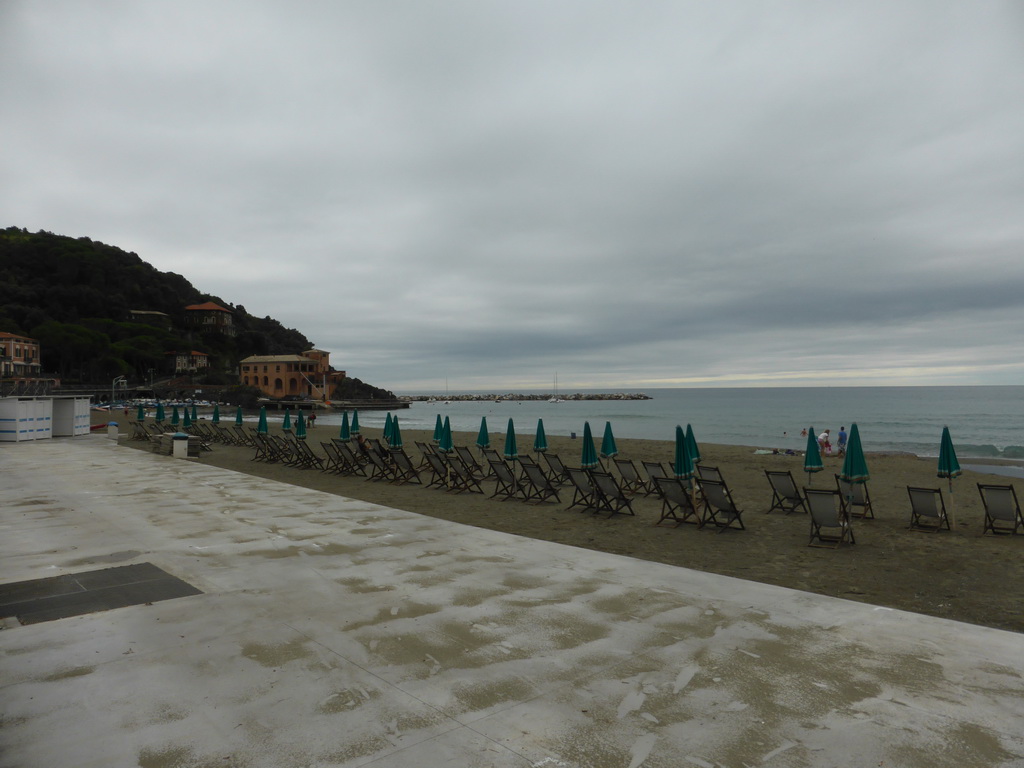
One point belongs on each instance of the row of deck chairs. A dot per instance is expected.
(1002, 510)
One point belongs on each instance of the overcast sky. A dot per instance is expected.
(627, 194)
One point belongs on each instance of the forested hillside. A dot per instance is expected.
(74, 296)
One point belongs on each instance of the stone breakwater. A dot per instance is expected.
(513, 396)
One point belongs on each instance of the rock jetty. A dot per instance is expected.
(514, 396)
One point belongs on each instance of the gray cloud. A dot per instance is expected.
(488, 192)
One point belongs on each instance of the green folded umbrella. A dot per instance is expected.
(300, 426)
(238, 417)
(588, 457)
(355, 423)
(511, 449)
(540, 442)
(387, 429)
(855, 467)
(216, 413)
(344, 433)
(262, 427)
(949, 467)
(186, 420)
(438, 428)
(396, 434)
(445, 443)
(195, 416)
(608, 447)
(483, 440)
(140, 414)
(683, 464)
(691, 445)
(160, 415)
(812, 456)
(175, 418)
(286, 425)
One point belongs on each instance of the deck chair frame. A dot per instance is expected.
(506, 485)
(535, 486)
(654, 469)
(856, 498)
(785, 493)
(827, 512)
(404, 470)
(584, 491)
(677, 502)
(720, 509)
(556, 469)
(629, 476)
(1002, 511)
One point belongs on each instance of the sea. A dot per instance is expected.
(984, 421)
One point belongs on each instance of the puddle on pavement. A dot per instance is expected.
(65, 674)
(270, 655)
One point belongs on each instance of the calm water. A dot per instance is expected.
(984, 421)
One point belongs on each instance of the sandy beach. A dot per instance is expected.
(958, 574)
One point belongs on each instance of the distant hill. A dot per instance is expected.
(76, 296)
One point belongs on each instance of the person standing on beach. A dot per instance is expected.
(841, 442)
(823, 441)
(312, 419)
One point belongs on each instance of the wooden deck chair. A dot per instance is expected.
(223, 436)
(830, 526)
(856, 498)
(610, 496)
(720, 509)
(405, 472)
(288, 453)
(352, 464)
(556, 469)
(785, 495)
(306, 457)
(654, 469)
(438, 471)
(927, 509)
(535, 485)
(469, 462)
(1002, 512)
(265, 451)
(334, 461)
(676, 501)
(584, 492)
(425, 449)
(704, 472)
(379, 468)
(506, 484)
(526, 460)
(248, 439)
(139, 431)
(462, 477)
(629, 476)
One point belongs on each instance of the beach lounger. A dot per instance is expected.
(830, 525)
(334, 461)
(720, 509)
(246, 438)
(1002, 512)
(556, 469)
(404, 470)
(630, 477)
(535, 485)
(139, 431)
(506, 485)
(677, 502)
(305, 456)
(785, 495)
(927, 509)
(704, 472)
(461, 477)
(379, 468)
(425, 448)
(654, 469)
(856, 498)
(610, 496)
(469, 462)
(352, 463)
(584, 492)
(439, 472)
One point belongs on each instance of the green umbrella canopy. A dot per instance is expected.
(540, 442)
(812, 456)
(262, 427)
(855, 467)
(948, 465)
(186, 420)
(216, 413)
(483, 440)
(511, 449)
(300, 427)
(588, 457)
(140, 414)
(387, 429)
(160, 416)
(286, 425)
(683, 460)
(691, 445)
(396, 434)
(175, 418)
(355, 423)
(238, 416)
(608, 447)
(344, 433)
(438, 428)
(445, 442)
(195, 416)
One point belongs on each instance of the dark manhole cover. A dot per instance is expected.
(59, 597)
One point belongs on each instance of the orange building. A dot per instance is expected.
(19, 356)
(211, 317)
(308, 376)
